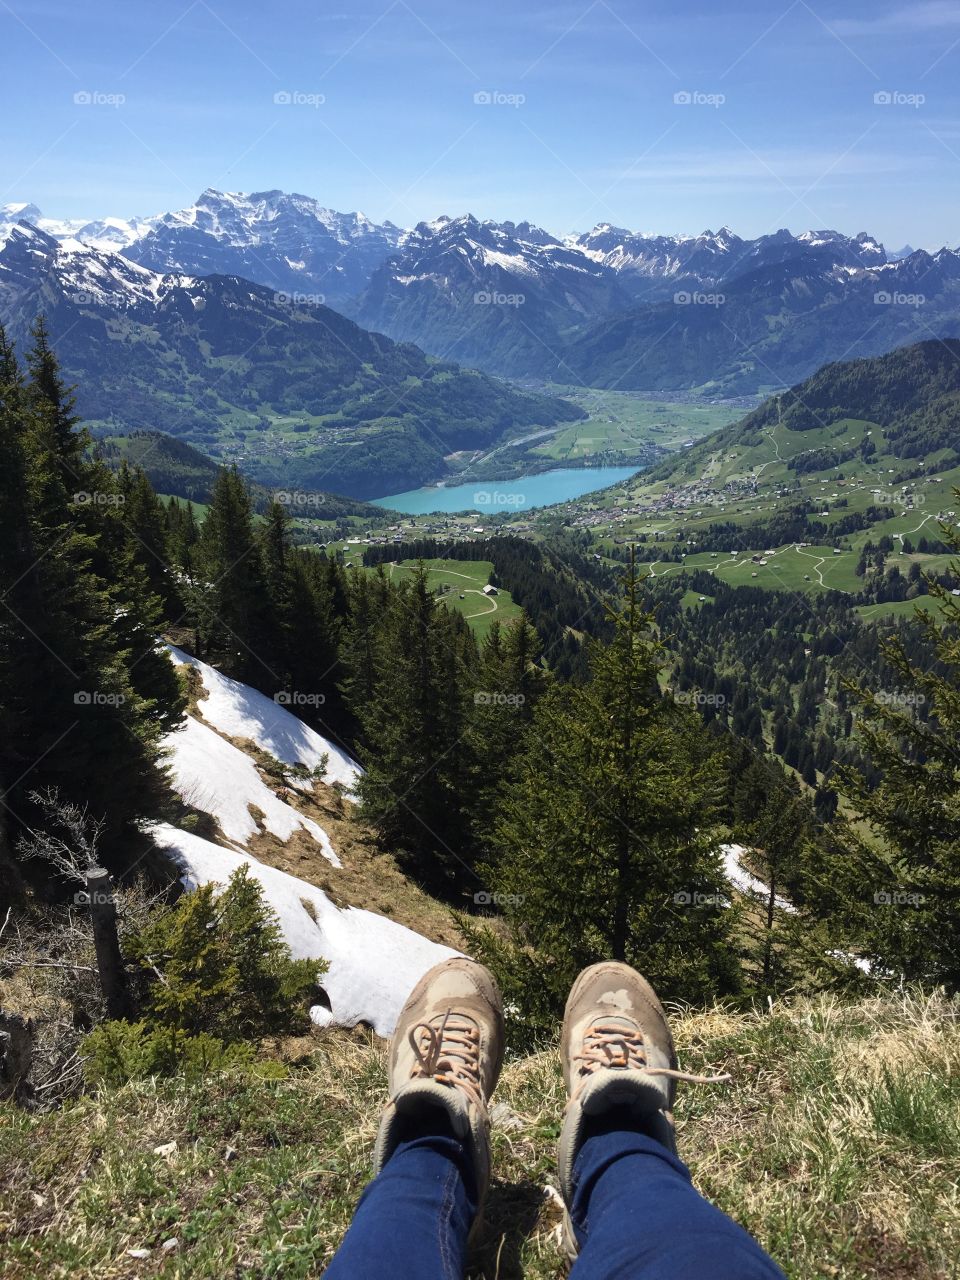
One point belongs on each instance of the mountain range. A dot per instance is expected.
(714, 312)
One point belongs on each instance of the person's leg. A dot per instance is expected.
(432, 1158)
(413, 1220)
(637, 1216)
(631, 1207)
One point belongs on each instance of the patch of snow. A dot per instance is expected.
(743, 880)
(213, 775)
(513, 262)
(847, 957)
(241, 712)
(374, 963)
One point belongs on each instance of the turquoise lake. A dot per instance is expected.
(494, 497)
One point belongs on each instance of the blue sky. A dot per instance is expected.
(582, 124)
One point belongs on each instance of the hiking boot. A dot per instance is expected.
(617, 1053)
(447, 1052)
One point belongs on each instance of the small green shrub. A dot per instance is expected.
(116, 1052)
(221, 965)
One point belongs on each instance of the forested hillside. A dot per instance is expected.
(913, 392)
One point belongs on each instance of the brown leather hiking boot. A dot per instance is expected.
(618, 1052)
(447, 1052)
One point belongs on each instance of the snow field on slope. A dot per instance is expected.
(374, 963)
(241, 712)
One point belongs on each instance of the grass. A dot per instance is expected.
(901, 608)
(837, 1144)
(466, 578)
(628, 422)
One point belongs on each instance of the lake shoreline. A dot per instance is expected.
(498, 497)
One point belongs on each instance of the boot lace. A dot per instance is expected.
(610, 1043)
(449, 1053)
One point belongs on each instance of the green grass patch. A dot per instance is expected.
(462, 583)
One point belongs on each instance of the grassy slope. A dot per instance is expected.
(469, 577)
(837, 1145)
(708, 469)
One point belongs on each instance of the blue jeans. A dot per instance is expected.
(635, 1213)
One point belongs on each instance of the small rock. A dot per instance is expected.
(165, 1149)
(230, 1153)
(168, 1246)
(138, 1253)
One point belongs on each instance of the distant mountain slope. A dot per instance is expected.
(608, 308)
(285, 241)
(653, 267)
(913, 393)
(497, 295)
(775, 324)
(294, 392)
(177, 468)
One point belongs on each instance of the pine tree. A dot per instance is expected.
(145, 521)
(414, 789)
(18, 595)
(234, 617)
(509, 683)
(80, 654)
(785, 946)
(605, 840)
(313, 639)
(367, 598)
(900, 882)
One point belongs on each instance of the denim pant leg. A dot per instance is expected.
(413, 1220)
(637, 1216)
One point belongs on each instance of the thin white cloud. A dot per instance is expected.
(932, 16)
(735, 164)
